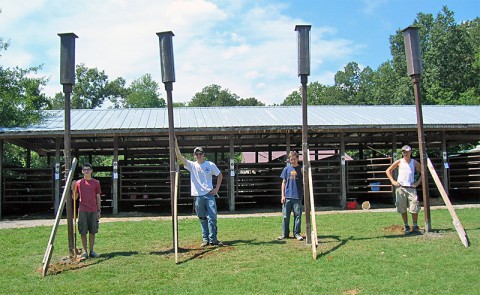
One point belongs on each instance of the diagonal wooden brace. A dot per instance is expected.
(456, 222)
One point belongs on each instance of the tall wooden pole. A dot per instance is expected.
(168, 77)
(306, 160)
(67, 79)
(304, 72)
(414, 69)
(68, 156)
(423, 153)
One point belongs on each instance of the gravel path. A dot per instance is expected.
(22, 223)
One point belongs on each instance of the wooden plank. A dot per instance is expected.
(313, 219)
(49, 250)
(456, 222)
(175, 217)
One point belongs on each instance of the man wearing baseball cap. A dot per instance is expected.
(89, 209)
(201, 172)
(406, 187)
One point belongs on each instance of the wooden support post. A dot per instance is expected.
(231, 184)
(394, 158)
(423, 153)
(444, 156)
(343, 172)
(314, 236)
(306, 159)
(65, 196)
(175, 215)
(58, 174)
(456, 222)
(115, 177)
(288, 147)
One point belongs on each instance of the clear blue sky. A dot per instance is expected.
(248, 47)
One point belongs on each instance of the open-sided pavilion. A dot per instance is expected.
(136, 141)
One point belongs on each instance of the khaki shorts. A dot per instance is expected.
(87, 223)
(407, 197)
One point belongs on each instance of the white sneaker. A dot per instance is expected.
(299, 237)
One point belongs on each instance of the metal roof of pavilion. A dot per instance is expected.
(255, 118)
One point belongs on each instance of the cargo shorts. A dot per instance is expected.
(87, 223)
(406, 197)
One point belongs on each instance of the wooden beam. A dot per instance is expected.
(394, 158)
(456, 222)
(444, 156)
(231, 171)
(343, 172)
(115, 177)
(58, 173)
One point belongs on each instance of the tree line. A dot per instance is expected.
(451, 75)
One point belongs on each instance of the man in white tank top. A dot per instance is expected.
(406, 187)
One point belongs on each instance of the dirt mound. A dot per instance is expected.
(394, 229)
(63, 265)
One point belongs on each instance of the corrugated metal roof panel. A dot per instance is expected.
(255, 117)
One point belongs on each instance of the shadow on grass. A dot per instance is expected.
(339, 242)
(106, 256)
(336, 239)
(115, 254)
(191, 252)
(253, 242)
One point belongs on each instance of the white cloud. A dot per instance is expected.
(250, 50)
(372, 5)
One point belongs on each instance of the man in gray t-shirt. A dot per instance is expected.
(202, 190)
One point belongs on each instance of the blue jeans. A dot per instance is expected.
(296, 205)
(206, 208)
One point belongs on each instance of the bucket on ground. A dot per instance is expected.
(352, 204)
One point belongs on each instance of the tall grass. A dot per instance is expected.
(357, 254)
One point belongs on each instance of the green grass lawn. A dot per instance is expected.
(357, 254)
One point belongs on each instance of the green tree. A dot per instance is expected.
(317, 94)
(449, 53)
(143, 93)
(356, 85)
(179, 104)
(92, 89)
(293, 99)
(116, 91)
(449, 61)
(21, 95)
(214, 95)
(390, 88)
(348, 81)
(21, 102)
(251, 101)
